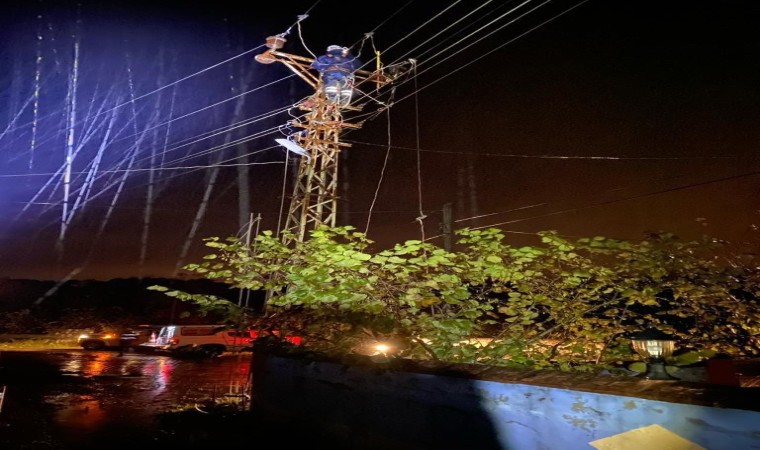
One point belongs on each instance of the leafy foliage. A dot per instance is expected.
(567, 304)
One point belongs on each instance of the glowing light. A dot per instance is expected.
(382, 348)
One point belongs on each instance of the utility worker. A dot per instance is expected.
(337, 67)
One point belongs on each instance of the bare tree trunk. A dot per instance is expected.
(213, 175)
(36, 96)
(467, 191)
(461, 191)
(150, 191)
(69, 160)
(473, 189)
(129, 159)
(200, 213)
(92, 173)
(243, 169)
(244, 187)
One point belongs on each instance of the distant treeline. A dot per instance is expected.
(36, 305)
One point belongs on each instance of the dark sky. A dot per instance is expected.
(611, 118)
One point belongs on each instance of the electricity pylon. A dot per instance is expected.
(315, 191)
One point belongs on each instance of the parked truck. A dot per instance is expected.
(198, 340)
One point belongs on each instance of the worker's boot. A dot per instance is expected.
(332, 93)
(345, 96)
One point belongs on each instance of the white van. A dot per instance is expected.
(198, 340)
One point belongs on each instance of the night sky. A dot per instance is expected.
(612, 118)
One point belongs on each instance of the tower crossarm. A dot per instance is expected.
(300, 65)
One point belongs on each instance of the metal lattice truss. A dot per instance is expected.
(315, 192)
(315, 198)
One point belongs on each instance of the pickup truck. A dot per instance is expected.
(198, 340)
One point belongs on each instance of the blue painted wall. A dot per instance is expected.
(374, 408)
(531, 417)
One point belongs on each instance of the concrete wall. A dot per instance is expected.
(371, 407)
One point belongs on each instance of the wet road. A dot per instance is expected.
(71, 399)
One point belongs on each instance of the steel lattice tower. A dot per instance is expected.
(315, 190)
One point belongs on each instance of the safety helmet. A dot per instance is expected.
(335, 48)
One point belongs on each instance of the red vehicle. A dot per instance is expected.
(200, 340)
(257, 333)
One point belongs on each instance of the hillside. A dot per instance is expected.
(36, 305)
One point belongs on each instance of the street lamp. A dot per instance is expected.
(654, 346)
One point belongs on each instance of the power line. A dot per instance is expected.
(598, 157)
(619, 200)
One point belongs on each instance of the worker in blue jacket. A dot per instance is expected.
(337, 67)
